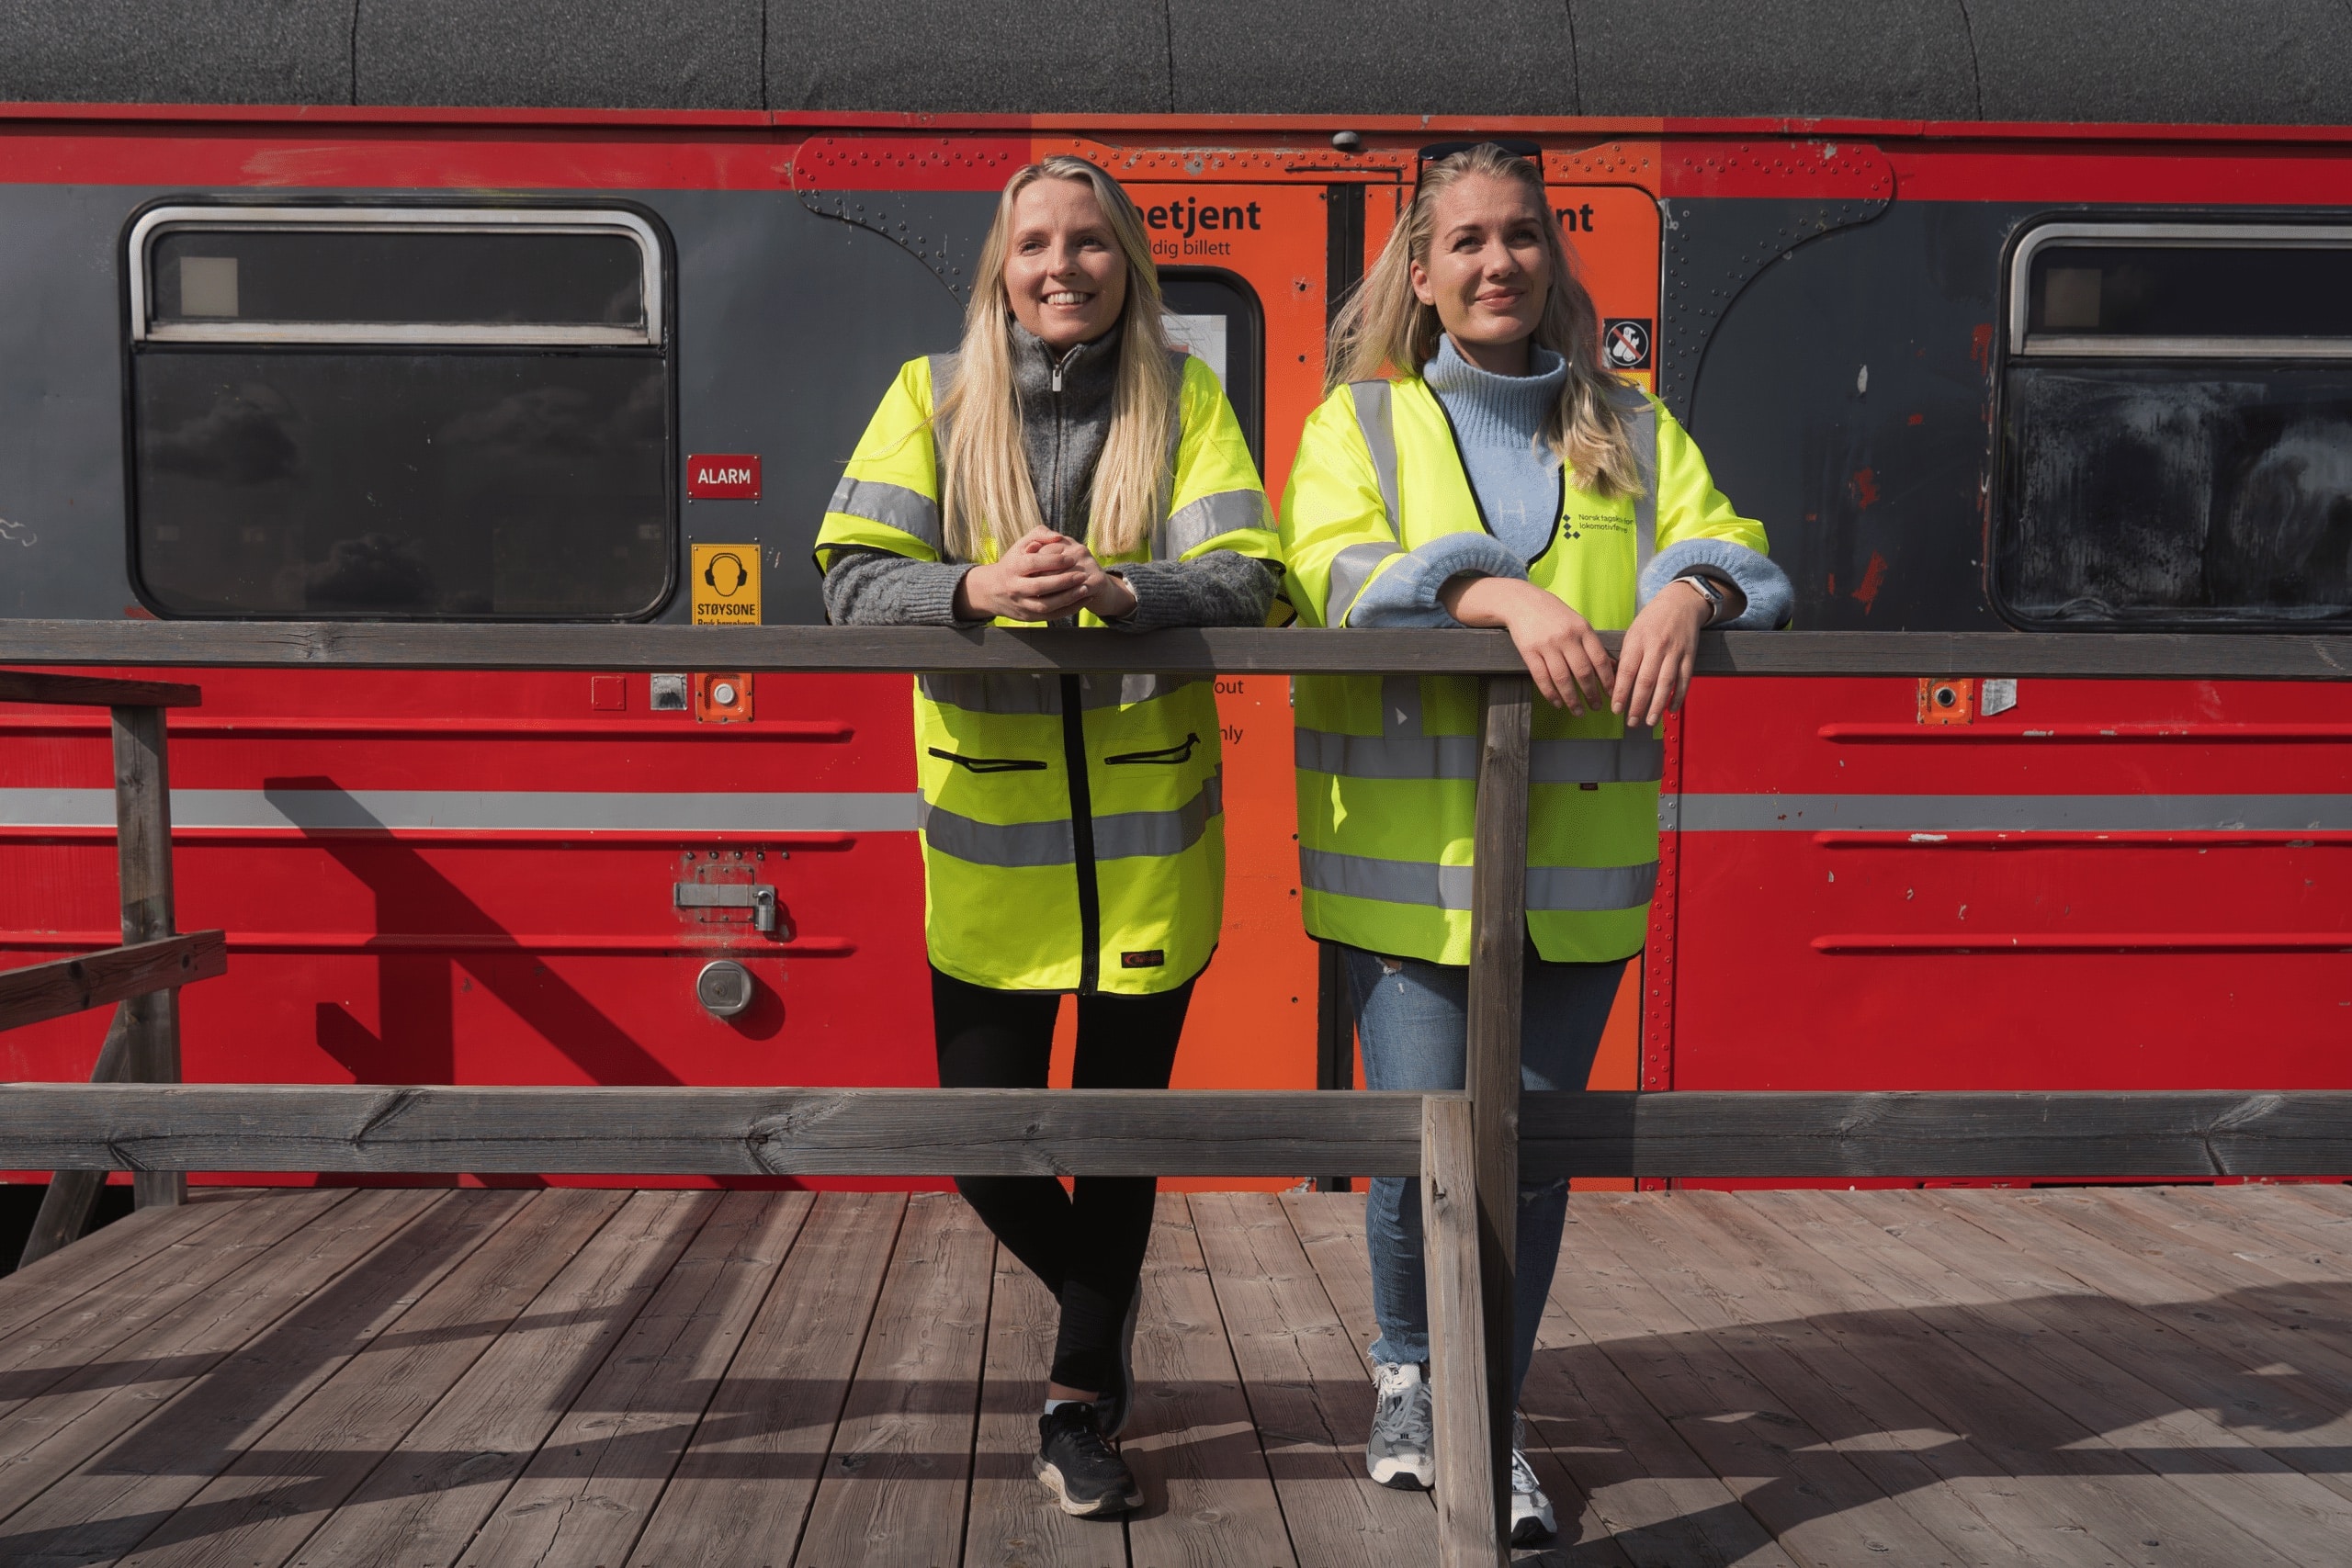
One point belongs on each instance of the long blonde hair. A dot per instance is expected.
(1385, 330)
(986, 495)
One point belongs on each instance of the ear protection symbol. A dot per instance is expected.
(710, 572)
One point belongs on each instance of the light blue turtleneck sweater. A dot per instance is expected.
(1497, 420)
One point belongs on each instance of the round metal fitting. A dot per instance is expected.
(1346, 141)
(1947, 696)
(723, 694)
(724, 987)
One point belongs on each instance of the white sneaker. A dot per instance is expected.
(1531, 1511)
(1398, 1452)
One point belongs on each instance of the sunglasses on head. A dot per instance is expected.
(1437, 152)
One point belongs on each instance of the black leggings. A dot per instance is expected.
(1087, 1245)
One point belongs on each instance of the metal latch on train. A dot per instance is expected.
(756, 897)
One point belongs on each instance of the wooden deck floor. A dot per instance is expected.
(413, 1379)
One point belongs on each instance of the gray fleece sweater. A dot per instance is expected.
(1065, 419)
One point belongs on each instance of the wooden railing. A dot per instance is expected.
(143, 976)
(1468, 1149)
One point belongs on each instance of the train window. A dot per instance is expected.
(2176, 427)
(400, 413)
(1215, 314)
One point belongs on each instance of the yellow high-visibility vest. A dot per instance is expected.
(1073, 828)
(1387, 766)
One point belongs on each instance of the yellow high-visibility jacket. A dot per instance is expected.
(1073, 828)
(1387, 766)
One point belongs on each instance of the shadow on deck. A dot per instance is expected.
(425, 1377)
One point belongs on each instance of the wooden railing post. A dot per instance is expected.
(142, 815)
(1470, 1533)
(1497, 950)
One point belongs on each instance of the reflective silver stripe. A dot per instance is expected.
(555, 811)
(1644, 435)
(1124, 834)
(1350, 570)
(893, 507)
(1121, 835)
(1563, 889)
(997, 844)
(1200, 521)
(1636, 759)
(1558, 888)
(1043, 694)
(1376, 419)
(1765, 812)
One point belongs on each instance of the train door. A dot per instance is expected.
(1243, 268)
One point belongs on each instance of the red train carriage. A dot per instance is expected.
(1974, 361)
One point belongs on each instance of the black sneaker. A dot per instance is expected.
(1117, 1403)
(1078, 1468)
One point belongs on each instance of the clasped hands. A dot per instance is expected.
(1043, 576)
(1565, 655)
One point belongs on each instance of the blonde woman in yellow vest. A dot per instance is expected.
(1474, 465)
(1064, 465)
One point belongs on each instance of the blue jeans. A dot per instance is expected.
(1413, 1020)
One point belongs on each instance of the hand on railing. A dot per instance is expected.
(1655, 662)
(1565, 656)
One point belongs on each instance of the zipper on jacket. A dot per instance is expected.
(1082, 831)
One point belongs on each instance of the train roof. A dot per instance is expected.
(2165, 61)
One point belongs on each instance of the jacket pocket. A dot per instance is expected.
(991, 764)
(1181, 752)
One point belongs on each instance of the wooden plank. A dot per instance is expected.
(284, 1482)
(1307, 1390)
(871, 1131)
(1012, 1521)
(1208, 1497)
(423, 1501)
(893, 1488)
(2157, 1132)
(94, 690)
(358, 645)
(1473, 1469)
(730, 1132)
(2092, 1242)
(740, 1495)
(142, 821)
(151, 1477)
(36, 1289)
(1975, 1379)
(46, 1436)
(1660, 1504)
(1497, 950)
(1789, 1474)
(1853, 1389)
(2268, 1217)
(46, 1351)
(38, 992)
(2099, 1380)
(588, 1493)
(1329, 1227)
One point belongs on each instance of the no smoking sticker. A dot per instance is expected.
(1625, 341)
(726, 585)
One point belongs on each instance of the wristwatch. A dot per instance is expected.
(1707, 590)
